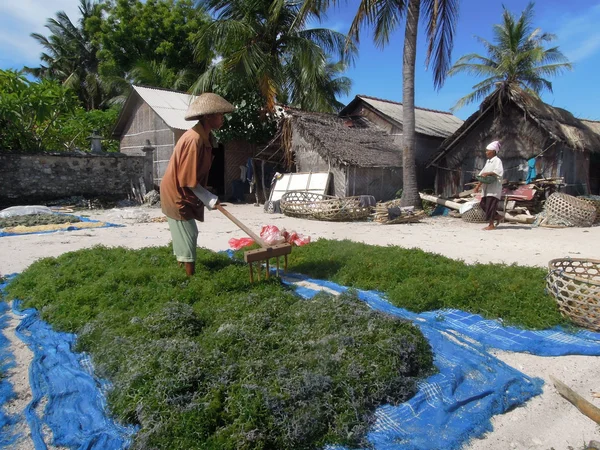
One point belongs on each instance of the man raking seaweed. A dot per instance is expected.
(183, 193)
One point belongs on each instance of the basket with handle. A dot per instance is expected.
(575, 284)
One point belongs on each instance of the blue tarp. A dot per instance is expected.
(70, 228)
(8, 434)
(75, 408)
(472, 385)
(449, 408)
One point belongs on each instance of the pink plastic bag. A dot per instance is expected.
(297, 239)
(271, 235)
(237, 244)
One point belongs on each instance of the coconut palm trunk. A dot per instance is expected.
(410, 191)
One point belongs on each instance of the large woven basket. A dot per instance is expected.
(475, 215)
(575, 284)
(309, 205)
(570, 210)
(593, 200)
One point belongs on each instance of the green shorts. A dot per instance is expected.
(185, 239)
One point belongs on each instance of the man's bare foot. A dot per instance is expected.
(489, 227)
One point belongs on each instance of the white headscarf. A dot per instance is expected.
(495, 145)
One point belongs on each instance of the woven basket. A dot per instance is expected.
(381, 214)
(573, 211)
(308, 205)
(575, 284)
(475, 215)
(593, 200)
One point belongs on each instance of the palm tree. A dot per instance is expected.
(159, 74)
(70, 55)
(440, 17)
(516, 61)
(265, 43)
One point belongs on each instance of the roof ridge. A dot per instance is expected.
(400, 103)
(154, 88)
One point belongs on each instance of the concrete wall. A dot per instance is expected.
(27, 179)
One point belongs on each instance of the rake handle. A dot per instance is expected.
(241, 226)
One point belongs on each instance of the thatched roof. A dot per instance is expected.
(558, 123)
(594, 125)
(353, 142)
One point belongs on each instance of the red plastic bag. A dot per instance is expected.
(236, 244)
(271, 235)
(301, 240)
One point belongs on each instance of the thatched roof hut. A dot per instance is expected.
(431, 127)
(363, 159)
(563, 145)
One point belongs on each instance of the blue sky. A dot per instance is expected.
(377, 72)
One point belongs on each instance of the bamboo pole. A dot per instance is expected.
(440, 201)
(577, 400)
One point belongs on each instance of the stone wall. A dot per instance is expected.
(32, 178)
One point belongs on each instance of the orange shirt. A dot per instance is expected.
(189, 166)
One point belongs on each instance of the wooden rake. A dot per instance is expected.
(265, 253)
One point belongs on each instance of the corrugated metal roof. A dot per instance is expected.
(427, 121)
(169, 105)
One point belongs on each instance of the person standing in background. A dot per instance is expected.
(491, 179)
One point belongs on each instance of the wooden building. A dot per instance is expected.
(155, 118)
(563, 145)
(431, 127)
(363, 159)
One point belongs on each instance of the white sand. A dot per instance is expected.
(547, 421)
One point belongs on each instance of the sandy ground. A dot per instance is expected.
(547, 421)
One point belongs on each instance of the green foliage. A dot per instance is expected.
(152, 42)
(46, 116)
(29, 110)
(265, 45)
(214, 362)
(70, 55)
(72, 131)
(421, 281)
(249, 122)
(518, 60)
(31, 220)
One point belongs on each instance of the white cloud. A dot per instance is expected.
(27, 51)
(578, 35)
(31, 15)
(20, 18)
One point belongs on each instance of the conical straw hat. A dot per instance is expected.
(208, 103)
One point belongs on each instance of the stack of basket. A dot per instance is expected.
(575, 284)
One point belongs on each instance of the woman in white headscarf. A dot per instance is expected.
(490, 178)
